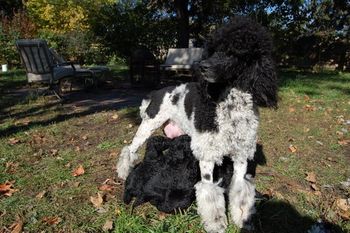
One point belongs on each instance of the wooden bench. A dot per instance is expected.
(181, 60)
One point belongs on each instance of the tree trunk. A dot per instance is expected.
(182, 16)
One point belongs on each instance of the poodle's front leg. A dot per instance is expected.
(128, 154)
(210, 200)
(242, 194)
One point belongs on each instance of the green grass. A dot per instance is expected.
(54, 140)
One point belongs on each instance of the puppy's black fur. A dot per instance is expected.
(168, 173)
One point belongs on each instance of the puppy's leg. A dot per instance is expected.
(242, 193)
(128, 154)
(210, 200)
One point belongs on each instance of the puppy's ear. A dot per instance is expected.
(263, 84)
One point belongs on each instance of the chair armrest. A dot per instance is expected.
(65, 64)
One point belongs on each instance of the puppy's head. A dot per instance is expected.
(239, 54)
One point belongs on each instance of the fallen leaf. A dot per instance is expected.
(13, 141)
(318, 193)
(306, 130)
(315, 187)
(7, 189)
(291, 109)
(106, 187)
(97, 201)
(77, 149)
(292, 148)
(41, 194)
(343, 204)
(108, 225)
(52, 220)
(115, 116)
(162, 216)
(85, 137)
(17, 226)
(309, 108)
(339, 134)
(306, 98)
(54, 152)
(344, 142)
(311, 177)
(78, 171)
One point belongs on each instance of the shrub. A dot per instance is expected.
(12, 28)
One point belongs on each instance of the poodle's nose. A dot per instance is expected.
(204, 65)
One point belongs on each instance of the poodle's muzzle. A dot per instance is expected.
(213, 69)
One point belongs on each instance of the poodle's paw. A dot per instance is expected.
(124, 163)
(242, 199)
(211, 207)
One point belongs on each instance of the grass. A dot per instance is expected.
(54, 139)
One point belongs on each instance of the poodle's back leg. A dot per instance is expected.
(128, 154)
(210, 200)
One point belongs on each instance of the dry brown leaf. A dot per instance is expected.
(309, 108)
(106, 187)
(344, 142)
(7, 189)
(54, 152)
(17, 226)
(162, 216)
(77, 149)
(311, 177)
(115, 116)
(315, 187)
(108, 225)
(78, 171)
(13, 141)
(339, 134)
(97, 201)
(343, 204)
(41, 194)
(306, 98)
(292, 148)
(52, 220)
(85, 137)
(291, 109)
(318, 193)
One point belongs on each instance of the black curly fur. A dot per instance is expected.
(239, 54)
(168, 173)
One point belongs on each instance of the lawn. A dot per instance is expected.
(58, 163)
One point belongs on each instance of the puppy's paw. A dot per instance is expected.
(211, 207)
(124, 163)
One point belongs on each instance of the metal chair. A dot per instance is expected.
(40, 67)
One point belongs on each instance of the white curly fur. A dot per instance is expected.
(237, 120)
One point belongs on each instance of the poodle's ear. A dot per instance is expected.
(263, 84)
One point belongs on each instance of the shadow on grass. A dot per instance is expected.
(275, 216)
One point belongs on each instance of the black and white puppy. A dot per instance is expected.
(168, 173)
(220, 114)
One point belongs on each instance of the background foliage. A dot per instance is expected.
(307, 33)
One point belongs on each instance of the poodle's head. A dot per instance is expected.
(239, 55)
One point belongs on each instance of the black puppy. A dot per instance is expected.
(168, 173)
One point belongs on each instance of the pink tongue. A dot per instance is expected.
(171, 130)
